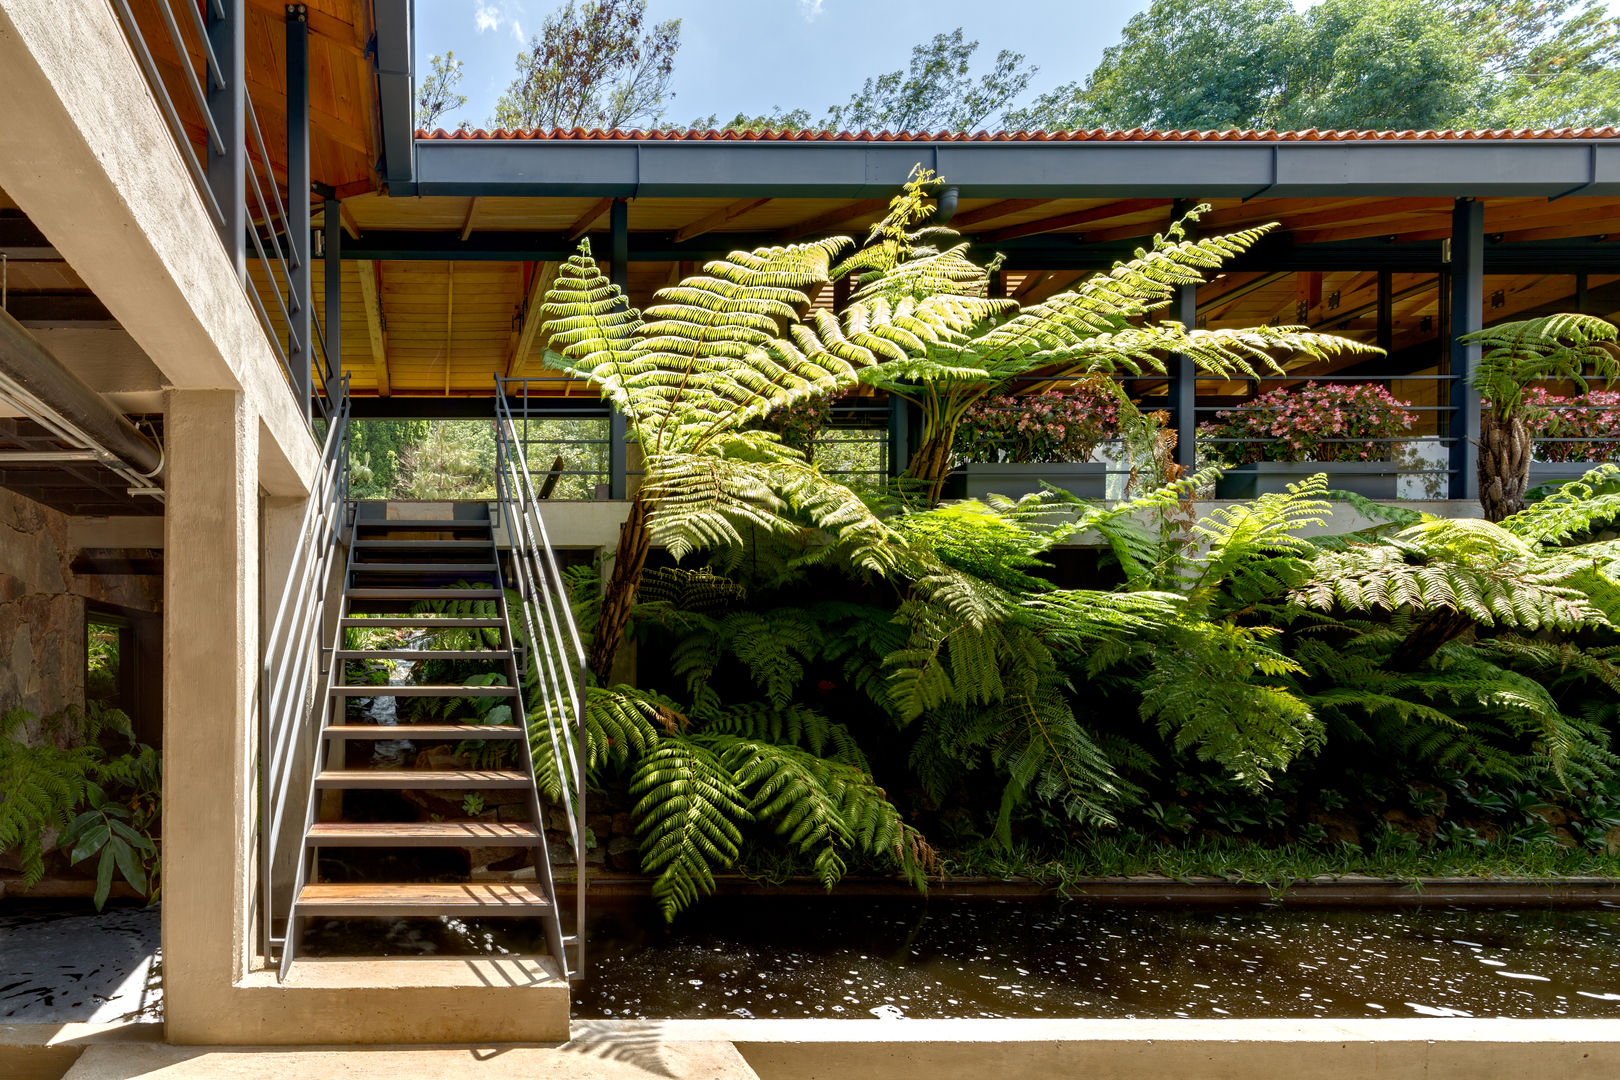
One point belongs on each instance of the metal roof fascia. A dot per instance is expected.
(840, 169)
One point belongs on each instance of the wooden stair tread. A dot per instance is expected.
(425, 545)
(424, 731)
(421, 592)
(422, 526)
(391, 779)
(422, 568)
(423, 654)
(428, 622)
(481, 898)
(424, 691)
(424, 834)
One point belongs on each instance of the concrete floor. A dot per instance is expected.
(80, 968)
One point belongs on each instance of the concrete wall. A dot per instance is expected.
(42, 606)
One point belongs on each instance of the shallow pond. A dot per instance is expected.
(858, 958)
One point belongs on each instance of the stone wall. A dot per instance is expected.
(42, 607)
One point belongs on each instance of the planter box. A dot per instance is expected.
(1371, 479)
(1559, 472)
(1086, 479)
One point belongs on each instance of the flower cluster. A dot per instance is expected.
(1054, 425)
(798, 424)
(1593, 416)
(1315, 423)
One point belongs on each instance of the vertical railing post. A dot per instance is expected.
(1183, 382)
(332, 322)
(1386, 310)
(227, 172)
(619, 272)
(1467, 315)
(300, 339)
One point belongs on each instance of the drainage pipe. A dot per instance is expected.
(945, 208)
(70, 408)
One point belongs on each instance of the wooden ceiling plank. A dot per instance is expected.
(1369, 210)
(545, 274)
(589, 218)
(1079, 217)
(370, 274)
(1004, 208)
(1051, 285)
(1603, 226)
(710, 222)
(831, 220)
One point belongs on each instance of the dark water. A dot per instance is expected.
(859, 958)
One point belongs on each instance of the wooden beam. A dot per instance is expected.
(544, 275)
(1595, 226)
(472, 217)
(710, 222)
(1388, 227)
(831, 220)
(1264, 210)
(1079, 217)
(1371, 210)
(1233, 287)
(350, 226)
(995, 210)
(449, 320)
(371, 299)
(1051, 285)
(589, 218)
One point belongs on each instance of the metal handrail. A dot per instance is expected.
(556, 654)
(292, 667)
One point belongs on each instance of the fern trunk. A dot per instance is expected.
(1425, 639)
(635, 540)
(931, 464)
(1504, 464)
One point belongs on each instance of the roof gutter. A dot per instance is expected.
(395, 21)
(51, 395)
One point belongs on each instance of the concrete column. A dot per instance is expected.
(1467, 315)
(210, 653)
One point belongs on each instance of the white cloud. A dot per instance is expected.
(487, 17)
(517, 31)
(810, 9)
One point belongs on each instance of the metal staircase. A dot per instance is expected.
(432, 576)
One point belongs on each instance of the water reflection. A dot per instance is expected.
(854, 958)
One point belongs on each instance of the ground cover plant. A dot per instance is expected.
(826, 675)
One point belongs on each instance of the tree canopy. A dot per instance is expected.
(599, 64)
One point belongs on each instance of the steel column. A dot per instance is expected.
(619, 273)
(227, 172)
(1386, 310)
(300, 340)
(332, 322)
(1467, 315)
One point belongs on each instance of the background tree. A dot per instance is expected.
(1516, 354)
(1181, 64)
(937, 92)
(595, 65)
(437, 95)
(1550, 63)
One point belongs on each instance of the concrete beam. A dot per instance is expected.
(85, 154)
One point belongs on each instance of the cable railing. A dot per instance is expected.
(181, 45)
(553, 657)
(291, 703)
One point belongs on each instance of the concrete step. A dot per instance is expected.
(632, 1060)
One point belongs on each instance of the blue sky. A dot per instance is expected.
(751, 55)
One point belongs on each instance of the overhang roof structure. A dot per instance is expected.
(440, 269)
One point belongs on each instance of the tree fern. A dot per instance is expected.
(39, 787)
(689, 813)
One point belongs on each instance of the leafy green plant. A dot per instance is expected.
(1558, 348)
(104, 832)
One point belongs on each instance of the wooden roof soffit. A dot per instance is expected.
(1079, 217)
(710, 222)
(589, 218)
(831, 220)
(995, 210)
(371, 299)
(545, 275)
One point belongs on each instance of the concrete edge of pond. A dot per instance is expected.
(1348, 890)
(1389, 1049)
(1363, 1049)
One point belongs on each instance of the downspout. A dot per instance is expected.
(945, 209)
(50, 393)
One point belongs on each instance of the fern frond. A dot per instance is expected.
(689, 810)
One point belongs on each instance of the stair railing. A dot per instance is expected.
(296, 662)
(554, 661)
